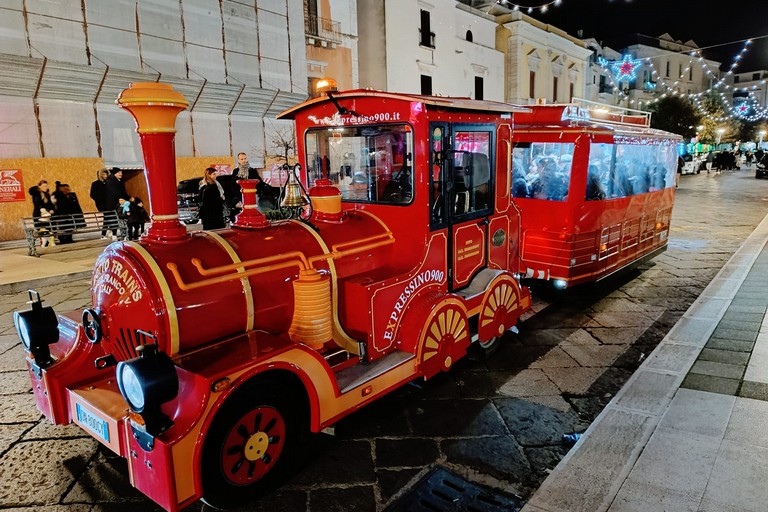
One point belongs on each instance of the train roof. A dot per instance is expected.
(592, 116)
(443, 102)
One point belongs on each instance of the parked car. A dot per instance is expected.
(692, 164)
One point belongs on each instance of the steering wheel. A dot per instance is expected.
(92, 325)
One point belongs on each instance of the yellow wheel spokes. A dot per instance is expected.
(447, 323)
(502, 295)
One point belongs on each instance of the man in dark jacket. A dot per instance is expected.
(267, 195)
(115, 190)
(99, 195)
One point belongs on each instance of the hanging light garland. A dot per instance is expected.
(529, 9)
(627, 68)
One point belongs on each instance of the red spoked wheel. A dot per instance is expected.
(498, 311)
(444, 337)
(252, 444)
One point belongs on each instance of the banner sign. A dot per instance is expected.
(11, 186)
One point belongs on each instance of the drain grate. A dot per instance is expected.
(443, 491)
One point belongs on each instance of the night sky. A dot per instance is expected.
(616, 23)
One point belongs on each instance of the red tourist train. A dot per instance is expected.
(207, 355)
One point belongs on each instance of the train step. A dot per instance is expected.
(358, 374)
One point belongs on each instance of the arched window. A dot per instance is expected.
(469, 36)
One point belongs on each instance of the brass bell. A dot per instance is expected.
(293, 196)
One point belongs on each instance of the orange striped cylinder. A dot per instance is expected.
(311, 323)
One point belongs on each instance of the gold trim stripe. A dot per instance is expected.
(170, 305)
(249, 303)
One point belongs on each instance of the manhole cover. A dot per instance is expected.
(443, 491)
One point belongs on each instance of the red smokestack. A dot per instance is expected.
(155, 107)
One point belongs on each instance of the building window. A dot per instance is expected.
(470, 37)
(680, 67)
(690, 73)
(478, 88)
(426, 36)
(554, 89)
(736, 79)
(532, 84)
(426, 85)
(667, 75)
(570, 91)
(755, 76)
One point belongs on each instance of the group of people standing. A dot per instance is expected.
(60, 208)
(109, 194)
(221, 203)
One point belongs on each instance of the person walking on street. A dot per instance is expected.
(99, 196)
(211, 202)
(710, 160)
(115, 190)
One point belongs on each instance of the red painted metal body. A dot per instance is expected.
(422, 258)
(578, 238)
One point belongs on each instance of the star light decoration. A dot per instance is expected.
(625, 69)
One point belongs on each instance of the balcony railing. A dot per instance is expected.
(323, 28)
(426, 38)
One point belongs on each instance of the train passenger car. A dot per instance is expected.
(595, 186)
(207, 355)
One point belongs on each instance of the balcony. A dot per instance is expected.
(322, 31)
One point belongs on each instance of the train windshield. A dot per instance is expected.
(370, 164)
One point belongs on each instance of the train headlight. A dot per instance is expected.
(37, 328)
(146, 383)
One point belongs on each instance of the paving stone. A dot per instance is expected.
(556, 357)
(413, 452)
(673, 357)
(47, 430)
(739, 325)
(452, 418)
(532, 382)
(698, 412)
(634, 496)
(574, 381)
(19, 409)
(711, 384)
(336, 462)
(14, 359)
(104, 480)
(10, 434)
(599, 356)
(588, 408)
(337, 499)
(724, 356)
(384, 417)
(754, 309)
(746, 414)
(392, 482)
(731, 334)
(534, 424)
(543, 459)
(624, 319)
(739, 482)
(756, 390)
(15, 382)
(648, 391)
(728, 344)
(728, 371)
(482, 454)
(57, 464)
(617, 336)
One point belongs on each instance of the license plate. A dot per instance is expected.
(92, 422)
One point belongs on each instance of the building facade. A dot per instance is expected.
(542, 63)
(439, 47)
(331, 36)
(62, 65)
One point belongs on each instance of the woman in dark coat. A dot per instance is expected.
(43, 207)
(211, 202)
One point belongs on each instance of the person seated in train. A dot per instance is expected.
(519, 184)
(595, 189)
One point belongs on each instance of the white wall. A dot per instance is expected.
(256, 44)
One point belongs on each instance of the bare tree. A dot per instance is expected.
(282, 141)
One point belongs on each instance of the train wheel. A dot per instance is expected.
(251, 446)
(444, 337)
(498, 311)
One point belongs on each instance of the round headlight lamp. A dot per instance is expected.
(147, 382)
(130, 386)
(37, 328)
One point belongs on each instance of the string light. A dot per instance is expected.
(543, 6)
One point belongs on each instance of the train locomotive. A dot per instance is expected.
(206, 356)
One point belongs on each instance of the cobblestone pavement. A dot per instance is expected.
(496, 422)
